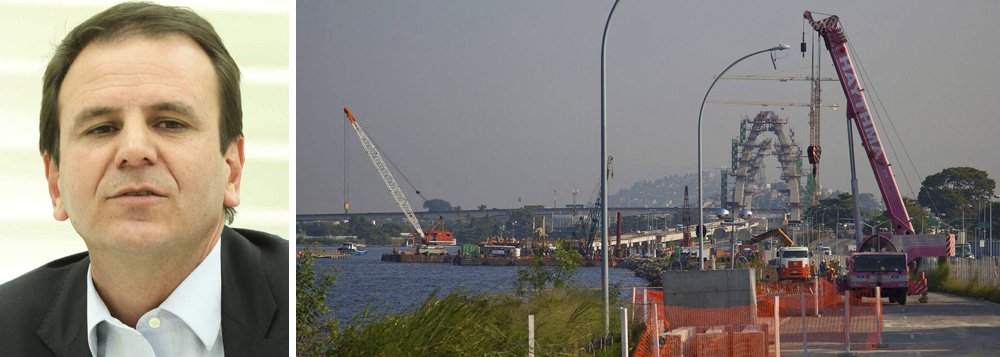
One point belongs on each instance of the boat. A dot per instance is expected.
(353, 249)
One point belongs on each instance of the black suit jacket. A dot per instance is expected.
(44, 312)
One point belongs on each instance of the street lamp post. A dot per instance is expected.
(725, 216)
(604, 180)
(701, 200)
(992, 196)
(730, 220)
(965, 231)
(879, 224)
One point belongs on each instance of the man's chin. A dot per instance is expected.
(135, 239)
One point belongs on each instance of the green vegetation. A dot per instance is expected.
(953, 188)
(437, 205)
(568, 320)
(538, 277)
(941, 280)
(471, 229)
(357, 225)
(312, 327)
(459, 324)
(840, 207)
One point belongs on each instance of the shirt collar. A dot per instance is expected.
(97, 312)
(197, 301)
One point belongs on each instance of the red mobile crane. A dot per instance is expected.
(915, 246)
(437, 235)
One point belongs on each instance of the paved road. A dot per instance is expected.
(948, 325)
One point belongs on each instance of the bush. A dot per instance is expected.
(459, 324)
(538, 277)
(941, 280)
(313, 329)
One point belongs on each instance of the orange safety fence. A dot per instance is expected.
(815, 308)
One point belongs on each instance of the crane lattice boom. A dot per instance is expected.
(383, 170)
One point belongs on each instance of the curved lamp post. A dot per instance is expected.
(701, 201)
(604, 183)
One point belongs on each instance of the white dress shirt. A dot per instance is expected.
(187, 323)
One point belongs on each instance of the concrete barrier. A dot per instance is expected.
(678, 341)
(713, 342)
(749, 342)
(711, 289)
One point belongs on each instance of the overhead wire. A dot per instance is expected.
(346, 166)
(878, 110)
(398, 170)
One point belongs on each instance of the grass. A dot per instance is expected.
(460, 324)
(568, 319)
(941, 280)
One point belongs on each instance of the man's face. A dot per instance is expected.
(140, 168)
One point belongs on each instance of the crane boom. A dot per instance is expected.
(383, 170)
(760, 77)
(857, 109)
(765, 103)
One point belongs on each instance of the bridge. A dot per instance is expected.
(644, 241)
(504, 213)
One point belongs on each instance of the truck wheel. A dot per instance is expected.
(901, 298)
(892, 299)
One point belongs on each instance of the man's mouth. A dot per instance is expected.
(138, 192)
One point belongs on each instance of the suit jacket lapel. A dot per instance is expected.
(248, 307)
(64, 329)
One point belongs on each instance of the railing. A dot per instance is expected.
(788, 317)
(984, 271)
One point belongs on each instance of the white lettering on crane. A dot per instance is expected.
(865, 123)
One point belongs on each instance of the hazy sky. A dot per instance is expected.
(482, 102)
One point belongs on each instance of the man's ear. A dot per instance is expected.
(234, 163)
(52, 176)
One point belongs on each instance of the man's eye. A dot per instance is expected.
(170, 124)
(101, 129)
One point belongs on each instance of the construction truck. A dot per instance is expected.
(885, 270)
(904, 240)
(790, 262)
(793, 263)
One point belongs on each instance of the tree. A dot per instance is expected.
(316, 229)
(362, 227)
(437, 205)
(519, 223)
(918, 215)
(955, 189)
(537, 276)
(918, 218)
(314, 329)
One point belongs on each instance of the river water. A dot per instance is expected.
(392, 288)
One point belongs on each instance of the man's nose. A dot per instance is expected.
(137, 146)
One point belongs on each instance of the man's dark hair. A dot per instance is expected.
(151, 20)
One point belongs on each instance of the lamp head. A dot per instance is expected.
(745, 213)
(780, 47)
(722, 213)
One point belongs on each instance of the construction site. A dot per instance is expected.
(739, 280)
